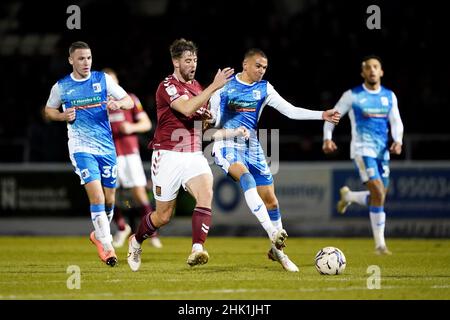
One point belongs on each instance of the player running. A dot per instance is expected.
(370, 107)
(83, 96)
(237, 108)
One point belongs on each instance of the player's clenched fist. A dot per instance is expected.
(329, 146)
(69, 114)
(332, 116)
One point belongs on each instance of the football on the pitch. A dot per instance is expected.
(330, 260)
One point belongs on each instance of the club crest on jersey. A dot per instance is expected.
(384, 101)
(97, 87)
(171, 90)
(229, 156)
(256, 94)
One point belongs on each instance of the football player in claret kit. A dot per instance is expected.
(370, 107)
(236, 109)
(177, 158)
(83, 95)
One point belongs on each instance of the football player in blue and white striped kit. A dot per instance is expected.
(236, 109)
(84, 98)
(370, 107)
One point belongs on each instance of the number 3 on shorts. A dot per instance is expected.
(109, 172)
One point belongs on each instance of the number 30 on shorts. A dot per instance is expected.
(109, 171)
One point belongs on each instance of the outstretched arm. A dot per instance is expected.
(279, 103)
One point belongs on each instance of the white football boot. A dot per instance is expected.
(342, 205)
(278, 255)
(383, 251)
(197, 258)
(279, 239)
(134, 253)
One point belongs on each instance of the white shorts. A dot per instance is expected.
(130, 171)
(171, 169)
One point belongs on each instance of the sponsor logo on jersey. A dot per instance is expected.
(375, 112)
(97, 87)
(256, 94)
(242, 106)
(84, 103)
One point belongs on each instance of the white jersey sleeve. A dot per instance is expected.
(215, 107)
(113, 88)
(343, 106)
(395, 121)
(54, 100)
(277, 102)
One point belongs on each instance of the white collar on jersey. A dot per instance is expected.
(240, 81)
(79, 80)
(371, 91)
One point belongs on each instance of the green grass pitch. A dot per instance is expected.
(36, 268)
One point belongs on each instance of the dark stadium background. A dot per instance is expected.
(314, 50)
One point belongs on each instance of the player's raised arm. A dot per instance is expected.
(188, 106)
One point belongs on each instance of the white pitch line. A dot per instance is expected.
(218, 291)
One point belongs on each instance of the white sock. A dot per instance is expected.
(359, 197)
(197, 247)
(134, 243)
(378, 221)
(102, 229)
(278, 224)
(258, 208)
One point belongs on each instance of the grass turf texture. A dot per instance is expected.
(36, 268)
